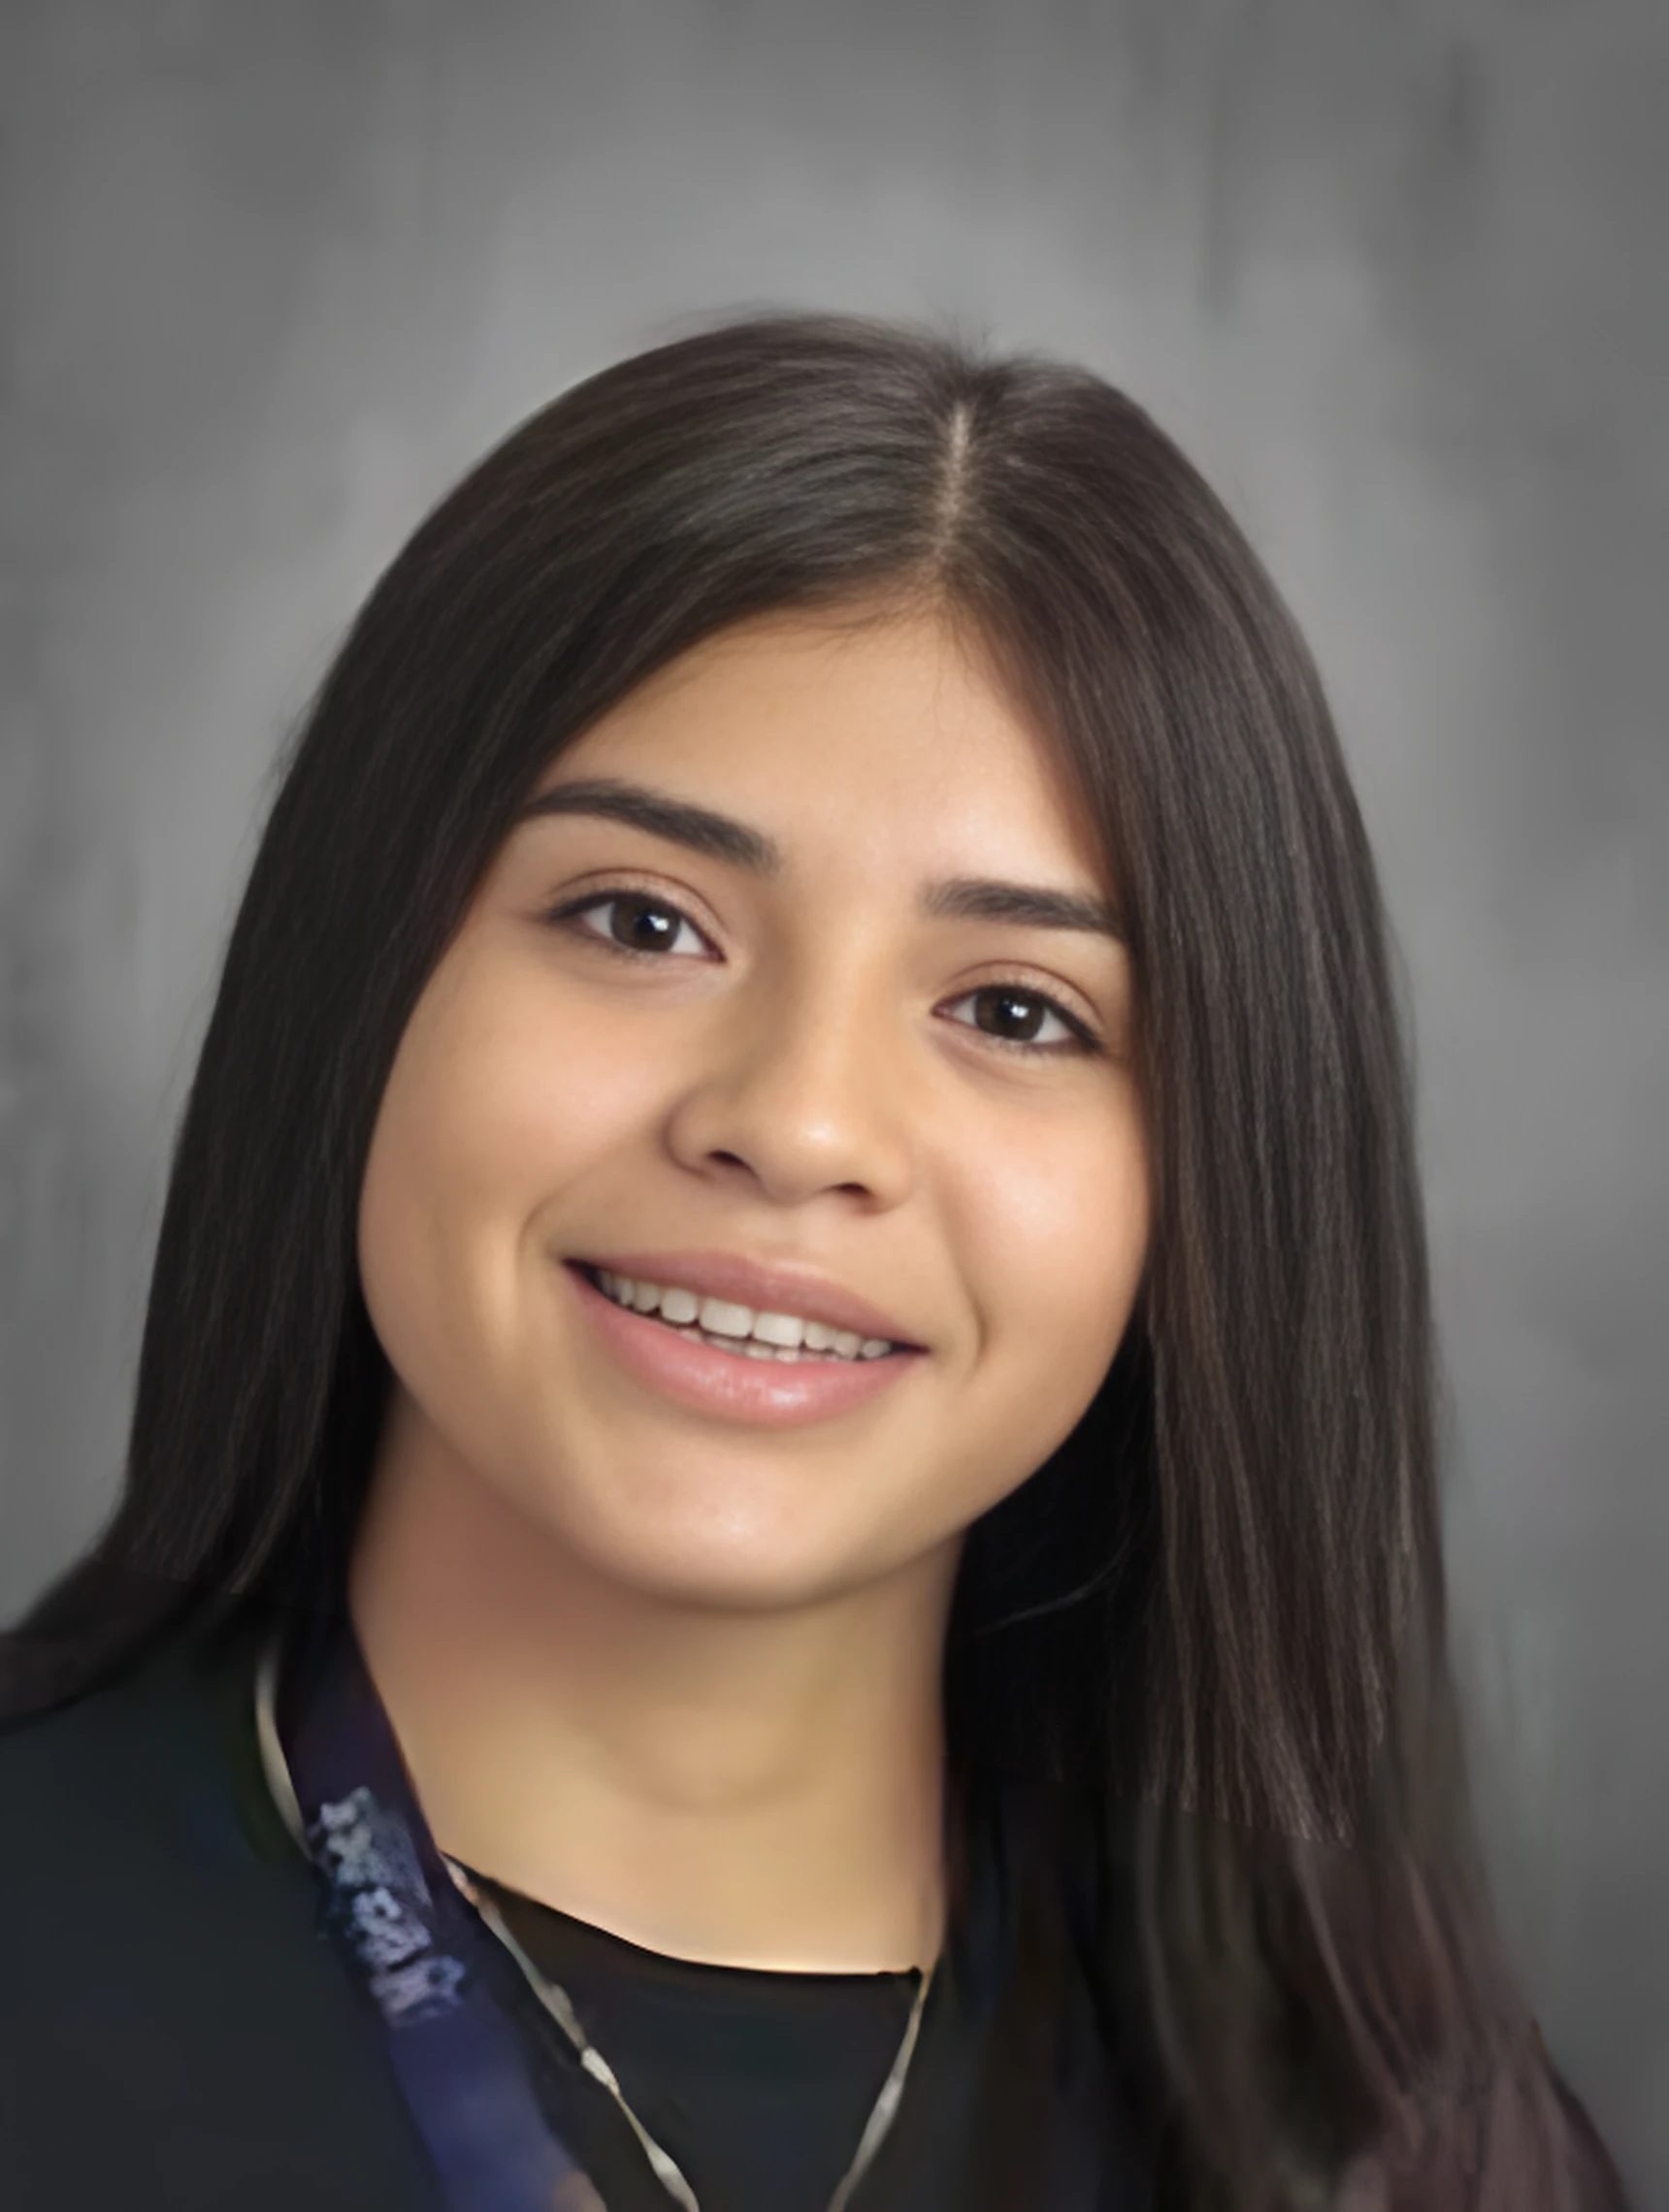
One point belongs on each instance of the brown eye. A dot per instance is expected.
(646, 927)
(1018, 1012)
(643, 924)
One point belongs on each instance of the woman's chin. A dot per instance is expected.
(668, 1561)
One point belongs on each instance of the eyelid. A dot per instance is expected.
(1085, 1028)
(624, 887)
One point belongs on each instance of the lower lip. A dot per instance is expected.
(771, 1393)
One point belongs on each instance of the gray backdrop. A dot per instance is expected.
(1391, 273)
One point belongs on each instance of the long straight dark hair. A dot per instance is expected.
(1211, 1628)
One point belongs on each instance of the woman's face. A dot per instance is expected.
(805, 1066)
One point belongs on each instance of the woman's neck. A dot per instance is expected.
(759, 1789)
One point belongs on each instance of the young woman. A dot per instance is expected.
(781, 1544)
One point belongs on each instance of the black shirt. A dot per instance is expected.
(759, 2083)
(177, 2034)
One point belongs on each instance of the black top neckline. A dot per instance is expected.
(702, 1975)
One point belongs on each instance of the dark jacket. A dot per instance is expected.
(177, 2033)
(176, 2028)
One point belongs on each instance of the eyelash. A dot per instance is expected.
(1084, 1041)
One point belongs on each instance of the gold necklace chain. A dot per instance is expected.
(556, 2002)
(555, 1999)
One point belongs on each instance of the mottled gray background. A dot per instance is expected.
(277, 273)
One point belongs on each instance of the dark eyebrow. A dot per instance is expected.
(968, 898)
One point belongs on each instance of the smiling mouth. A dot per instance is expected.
(851, 1350)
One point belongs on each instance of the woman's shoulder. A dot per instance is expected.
(62, 1745)
(138, 1767)
(163, 1967)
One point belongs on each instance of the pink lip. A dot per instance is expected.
(771, 1393)
(766, 1290)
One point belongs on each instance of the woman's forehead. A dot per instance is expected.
(817, 731)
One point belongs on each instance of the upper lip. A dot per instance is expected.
(765, 1290)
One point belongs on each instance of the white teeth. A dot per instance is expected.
(760, 1336)
(743, 1346)
(719, 1318)
(781, 1328)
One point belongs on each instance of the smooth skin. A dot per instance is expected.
(670, 1672)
